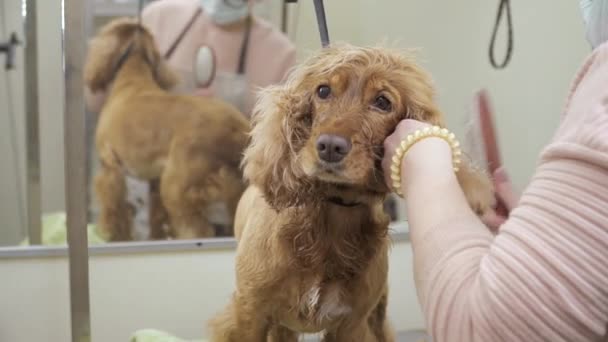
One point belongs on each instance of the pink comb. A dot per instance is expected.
(489, 140)
(488, 133)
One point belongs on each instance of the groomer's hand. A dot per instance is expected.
(505, 194)
(427, 161)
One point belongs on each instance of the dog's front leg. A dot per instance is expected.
(241, 321)
(351, 332)
(378, 322)
(359, 328)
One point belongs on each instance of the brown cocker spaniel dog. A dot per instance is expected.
(192, 145)
(313, 236)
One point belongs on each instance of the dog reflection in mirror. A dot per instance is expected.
(191, 145)
(312, 231)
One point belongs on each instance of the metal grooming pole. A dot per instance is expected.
(74, 39)
(34, 212)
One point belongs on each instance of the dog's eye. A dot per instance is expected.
(323, 91)
(382, 103)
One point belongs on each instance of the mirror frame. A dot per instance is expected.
(398, 233)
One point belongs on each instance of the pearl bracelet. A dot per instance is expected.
(415, 137)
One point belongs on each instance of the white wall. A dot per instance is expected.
(34, 300)
(51, 105)
(177, 292)
(529, 95)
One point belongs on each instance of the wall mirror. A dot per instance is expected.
(131, 212)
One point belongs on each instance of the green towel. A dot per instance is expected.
(54, 231)
(151, 335)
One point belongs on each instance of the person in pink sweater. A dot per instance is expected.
(544, 275)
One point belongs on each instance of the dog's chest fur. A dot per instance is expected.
(322, 304)
(309, 305)
(333, 243)
(332, 248)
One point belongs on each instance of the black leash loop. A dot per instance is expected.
(244, 47)
(504, 6)
(183, 32)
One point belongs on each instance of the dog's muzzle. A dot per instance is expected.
(333, 148)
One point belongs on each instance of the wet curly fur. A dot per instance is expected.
(192, 145)
(313, 246)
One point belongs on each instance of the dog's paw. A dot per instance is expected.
(478, 189)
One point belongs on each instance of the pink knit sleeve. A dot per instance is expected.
(544, 277)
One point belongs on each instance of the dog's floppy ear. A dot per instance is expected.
(421, 106)
(419, 93)
(270, 161)
(101, 59)
(165, 76)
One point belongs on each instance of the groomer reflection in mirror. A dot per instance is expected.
(218, 47)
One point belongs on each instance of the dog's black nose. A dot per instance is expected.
(332, 148)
